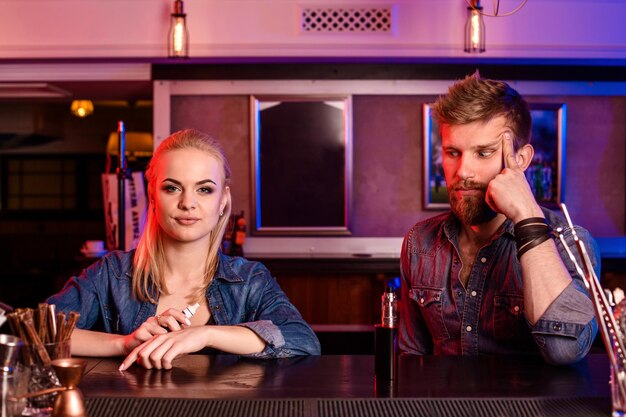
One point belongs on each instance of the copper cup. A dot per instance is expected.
(70, 401)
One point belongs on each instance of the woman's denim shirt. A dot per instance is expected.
(487, 316)
(242, 293)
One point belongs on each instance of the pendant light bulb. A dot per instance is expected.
(178, 37)
(475, 29)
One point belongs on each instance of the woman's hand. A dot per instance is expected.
(169, 320)
(172, 319)
(160, 350)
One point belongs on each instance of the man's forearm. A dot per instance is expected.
(544, 276)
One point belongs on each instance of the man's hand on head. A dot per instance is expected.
(509, 192)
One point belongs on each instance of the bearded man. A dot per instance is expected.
(488, 277)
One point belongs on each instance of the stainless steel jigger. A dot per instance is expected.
(9, 349)
(69, 402)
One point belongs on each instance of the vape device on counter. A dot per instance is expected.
(385, 350)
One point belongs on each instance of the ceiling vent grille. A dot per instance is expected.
(346, 19)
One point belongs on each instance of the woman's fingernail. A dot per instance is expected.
(121, 368)
(188, 322)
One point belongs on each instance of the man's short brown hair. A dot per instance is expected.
(477, 99)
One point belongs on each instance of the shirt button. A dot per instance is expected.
(557, 327)
(473, 293)
(516, 309)
(483, 259)
(422, 300)
(468, 328)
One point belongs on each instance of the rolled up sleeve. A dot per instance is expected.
(271, 335)
(280, 325)
(565, 332)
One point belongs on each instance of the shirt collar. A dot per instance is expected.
(225, 270)
(452, 225)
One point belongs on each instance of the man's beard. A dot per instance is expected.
(471, 210)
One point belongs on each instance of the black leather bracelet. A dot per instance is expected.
(529, 221)
(531, 244)
(531, 232)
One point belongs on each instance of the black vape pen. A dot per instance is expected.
(385, 351)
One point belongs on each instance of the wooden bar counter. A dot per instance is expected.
(344, 385)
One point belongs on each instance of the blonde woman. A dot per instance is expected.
(132, 303)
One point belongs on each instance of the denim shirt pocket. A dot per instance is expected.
(430, 302)
(508, 318)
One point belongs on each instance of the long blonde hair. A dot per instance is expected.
(149, 262)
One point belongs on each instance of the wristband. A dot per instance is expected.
(530, 221)
(531, 244)
(531, 232)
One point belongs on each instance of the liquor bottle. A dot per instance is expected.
(385, 350)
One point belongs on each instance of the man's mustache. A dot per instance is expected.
(469, 185)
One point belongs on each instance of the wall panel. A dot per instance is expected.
(388, 157)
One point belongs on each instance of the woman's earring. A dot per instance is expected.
(221, 213)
